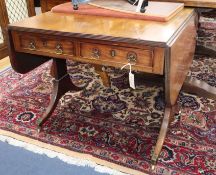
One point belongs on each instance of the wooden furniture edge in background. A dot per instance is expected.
(201, 88)
(4, 21)
(47, 5)
(31, 8)
(194, 3)
(3, 51)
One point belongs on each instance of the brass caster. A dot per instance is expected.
(39, 129)
(153, 167)
(154, 162)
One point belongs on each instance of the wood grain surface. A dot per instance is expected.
(181, 53)
(95, 10)
(163, 10)
(105, 28)
(47, 5)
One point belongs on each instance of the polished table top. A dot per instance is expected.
(118, 29)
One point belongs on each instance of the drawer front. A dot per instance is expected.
(45, 45)
(144, 58)
(117, 54)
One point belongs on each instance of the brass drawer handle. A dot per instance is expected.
(132, 57)
(96, 53)
(32, 45)
(59, 49)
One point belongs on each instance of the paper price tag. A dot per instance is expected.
(131, 80)
(131, 75)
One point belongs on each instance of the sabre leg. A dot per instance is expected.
(61, 85)
(168, 116)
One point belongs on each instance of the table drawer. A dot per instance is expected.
(116, 54)
(144, 59)
(43, 44)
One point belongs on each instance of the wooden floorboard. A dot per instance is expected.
(4, 63)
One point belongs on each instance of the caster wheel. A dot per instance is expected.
(75, 7)
(153, 167)
(142, 10)
(39, 129)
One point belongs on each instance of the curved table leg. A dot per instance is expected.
(201, 88)
(168, 115)
(61, 85)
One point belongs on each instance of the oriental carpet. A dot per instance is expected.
(206, 41)
(117, 126)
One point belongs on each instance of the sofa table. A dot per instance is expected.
(163, 49)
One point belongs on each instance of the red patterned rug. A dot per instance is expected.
(117, 125)
(206, 43)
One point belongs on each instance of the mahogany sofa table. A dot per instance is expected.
(163, 49)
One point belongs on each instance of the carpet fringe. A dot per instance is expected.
(62, 157)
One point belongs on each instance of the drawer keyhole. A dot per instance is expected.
(113, 53)
(44, 43)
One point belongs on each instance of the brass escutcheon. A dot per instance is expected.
(59, 49)
(113, 53)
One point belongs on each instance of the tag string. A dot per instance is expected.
(128, 64)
